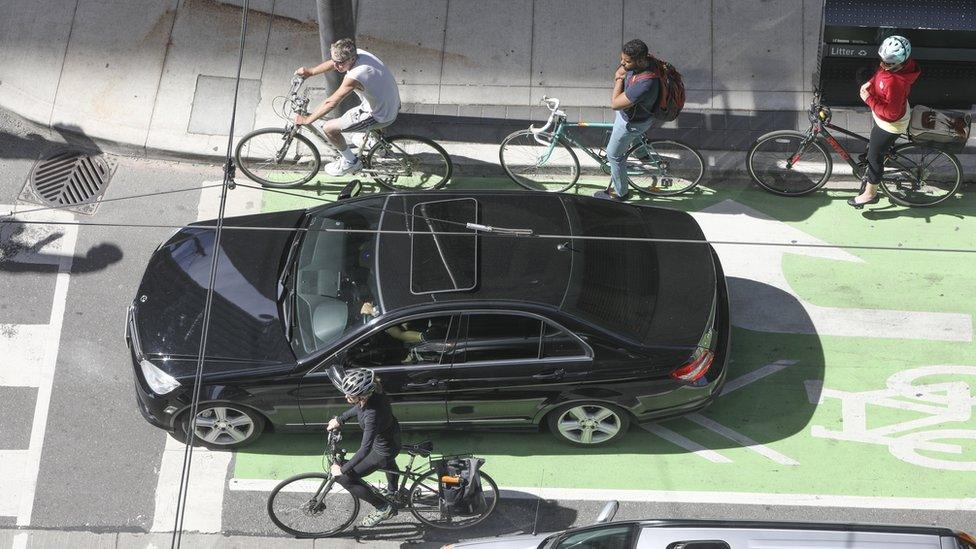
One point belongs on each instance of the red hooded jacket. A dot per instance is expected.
(888, 92)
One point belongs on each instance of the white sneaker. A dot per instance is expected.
(341, 167)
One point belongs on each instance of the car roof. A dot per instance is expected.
(593, 279)
(794, 525)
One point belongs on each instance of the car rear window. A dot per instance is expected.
(614, 283)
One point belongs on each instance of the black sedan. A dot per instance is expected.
(476, 309)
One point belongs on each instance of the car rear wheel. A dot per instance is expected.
(588, 424)
(223, 426)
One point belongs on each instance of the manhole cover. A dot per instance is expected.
(70, 178)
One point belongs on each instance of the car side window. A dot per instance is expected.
(414, 341)
(608, 537)
(557, 343)
(502, 337)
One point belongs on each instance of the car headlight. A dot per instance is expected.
(159, 381)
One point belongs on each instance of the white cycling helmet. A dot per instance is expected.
(358, 382)
(895, 50)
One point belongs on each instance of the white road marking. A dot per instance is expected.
(240, 200)
(37, 346)
(738, 437)
(20, 541)
(686, 443)
(205, 496)
(676, 496)
(724, 431)
(776, 312)
(755, 375)
(944, 406)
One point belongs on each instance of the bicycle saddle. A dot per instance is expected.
(422, 449)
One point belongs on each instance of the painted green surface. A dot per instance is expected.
(776, 410)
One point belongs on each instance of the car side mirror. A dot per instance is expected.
(353, 188)
(608, 512)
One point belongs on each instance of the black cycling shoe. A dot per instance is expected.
(859, 205)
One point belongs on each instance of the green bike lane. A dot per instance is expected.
(819, 410)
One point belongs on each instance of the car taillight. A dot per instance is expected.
(966, 538)
(698, 367)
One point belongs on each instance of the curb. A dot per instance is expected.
(60, 539)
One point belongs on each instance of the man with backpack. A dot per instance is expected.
(636, 89)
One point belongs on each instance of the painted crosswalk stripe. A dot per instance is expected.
(34, 352)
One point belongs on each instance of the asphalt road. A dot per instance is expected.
(100, 461)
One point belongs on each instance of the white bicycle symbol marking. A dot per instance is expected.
(946, 406)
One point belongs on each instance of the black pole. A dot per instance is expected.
(337, 20)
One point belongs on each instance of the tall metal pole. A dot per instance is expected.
(336, 21)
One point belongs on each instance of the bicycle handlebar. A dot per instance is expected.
(553, 104)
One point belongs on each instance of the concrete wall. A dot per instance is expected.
(149, 72)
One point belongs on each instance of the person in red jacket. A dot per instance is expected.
(887, 95)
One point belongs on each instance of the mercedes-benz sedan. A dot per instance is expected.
(476, 309)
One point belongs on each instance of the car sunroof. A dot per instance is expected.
(443, 262)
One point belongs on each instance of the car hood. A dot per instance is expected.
(505, 542)
(245, 327)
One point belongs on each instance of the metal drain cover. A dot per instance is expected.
(70, 178)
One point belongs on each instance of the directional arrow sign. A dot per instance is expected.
(757, 307)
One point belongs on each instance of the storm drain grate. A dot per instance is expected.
(70, 178)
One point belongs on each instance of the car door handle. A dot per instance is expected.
(558, 374)
(429, 384)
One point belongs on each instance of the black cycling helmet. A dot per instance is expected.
(359, 382)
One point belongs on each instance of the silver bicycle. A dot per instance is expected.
(287, 157)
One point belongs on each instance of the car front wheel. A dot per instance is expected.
(588, 424)
(223, 426)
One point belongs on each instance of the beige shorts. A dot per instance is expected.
(359, 119)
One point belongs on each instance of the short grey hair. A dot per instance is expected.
(343, 50)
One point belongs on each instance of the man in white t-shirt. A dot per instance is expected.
(372, 81)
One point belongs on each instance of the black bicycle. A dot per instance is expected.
(794, 163)
(314, 505)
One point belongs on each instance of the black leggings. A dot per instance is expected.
(354, 483)
(881, 141)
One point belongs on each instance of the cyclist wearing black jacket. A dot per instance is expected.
(380, 444)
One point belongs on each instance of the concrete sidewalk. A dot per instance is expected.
(158, 75)
(63, 539)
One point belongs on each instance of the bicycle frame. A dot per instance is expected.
(560, 133)
(819, 129)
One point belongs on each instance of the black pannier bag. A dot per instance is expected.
(459, 486)
(946, 130)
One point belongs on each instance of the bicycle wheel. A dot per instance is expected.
(539, 166)
(273, 159)
(297, 506)
(788, 163)
(425, 503)
(406, 162)
(662, 167)
(919, 175)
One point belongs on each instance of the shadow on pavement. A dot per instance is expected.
(33, 145)
(18, 257)
(522, 514)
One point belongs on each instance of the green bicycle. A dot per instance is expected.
(541, 159)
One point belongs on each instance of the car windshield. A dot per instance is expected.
(333, 274)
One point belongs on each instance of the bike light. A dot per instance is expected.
(159, 381)
(698, 367)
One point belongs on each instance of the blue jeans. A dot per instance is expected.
(621, 139)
